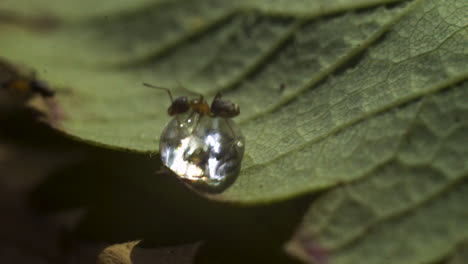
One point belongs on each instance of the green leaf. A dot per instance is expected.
(364, 100)
(461, 255)
(340, 129)
(425, 235)
(409, 209)
(320, 98)
(67, 9)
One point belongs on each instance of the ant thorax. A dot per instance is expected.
(201, 146)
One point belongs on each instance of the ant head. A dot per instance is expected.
(178, 106)
(224, 108)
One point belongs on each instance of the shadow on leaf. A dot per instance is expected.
(125, 199)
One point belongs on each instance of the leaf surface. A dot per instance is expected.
(365, 100)
(320, 98)
(409, 198)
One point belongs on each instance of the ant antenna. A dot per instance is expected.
(162, 88)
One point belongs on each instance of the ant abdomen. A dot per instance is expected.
(224, 108)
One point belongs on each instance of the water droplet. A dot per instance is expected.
(202, 150)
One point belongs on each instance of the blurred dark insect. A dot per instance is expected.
(282, 87)
(16, 81)
(34, 23)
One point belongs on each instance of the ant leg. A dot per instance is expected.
(170, 96)
(230, 128)
(234, 142)
(188, 118)
(178, 121)
(196, 124)
(191, 115)
(179, 85)
(161, 88)
(163, 170)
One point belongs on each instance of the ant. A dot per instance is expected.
(219, 107)
(282, 87)
(15, 80)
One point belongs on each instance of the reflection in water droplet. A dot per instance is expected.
(205, 151)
